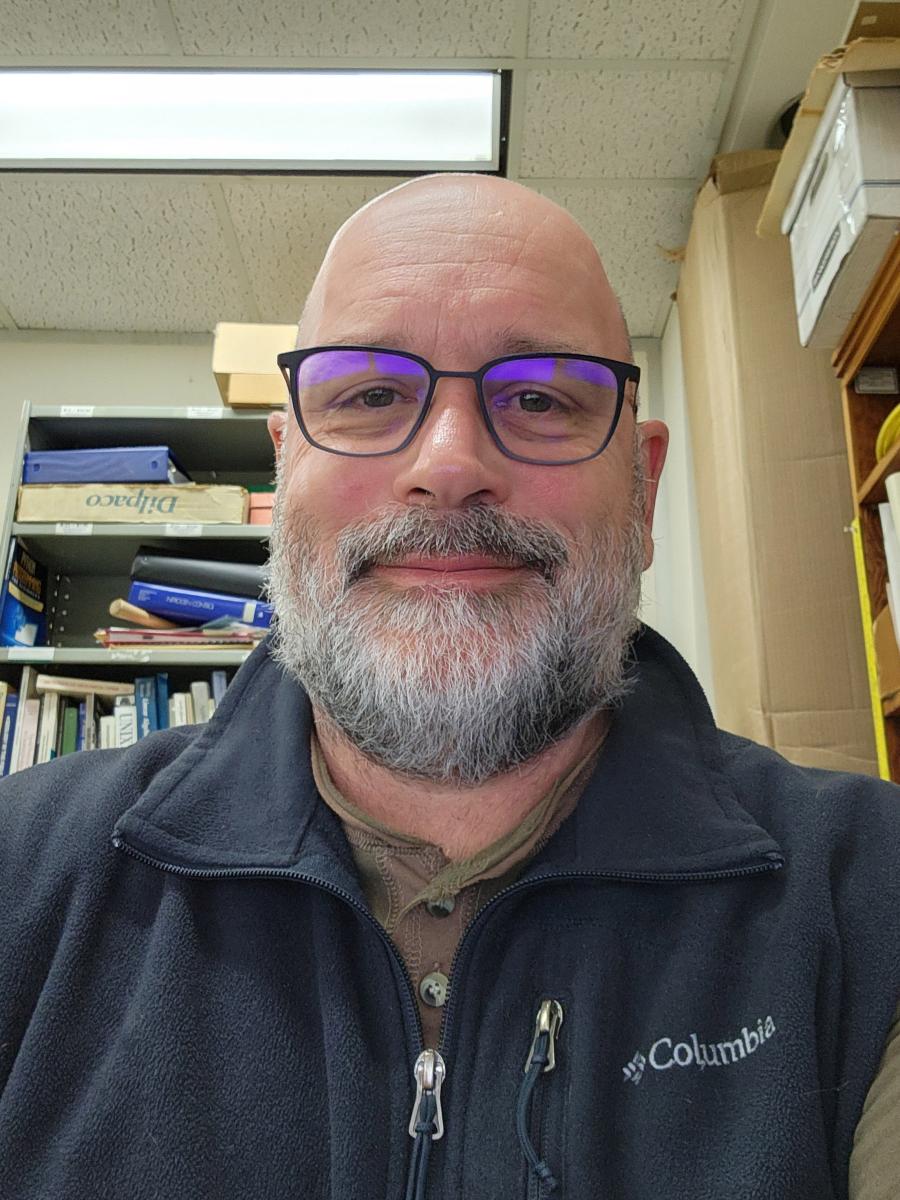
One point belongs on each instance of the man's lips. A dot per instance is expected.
(458, 562)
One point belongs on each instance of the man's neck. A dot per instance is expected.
(461, 821)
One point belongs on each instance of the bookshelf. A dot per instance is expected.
(89, 564)
(872, 339)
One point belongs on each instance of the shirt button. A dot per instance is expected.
(440, 908)
(433, 989)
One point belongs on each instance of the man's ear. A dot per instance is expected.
(654, 444)
(277, 424)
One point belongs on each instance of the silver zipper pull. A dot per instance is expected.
(429, 1071)
(547, 1022)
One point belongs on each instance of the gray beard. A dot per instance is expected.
(452, 685)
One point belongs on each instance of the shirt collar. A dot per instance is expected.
(241, 795)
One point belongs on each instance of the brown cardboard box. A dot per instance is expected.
(773, 489)
(244, 364)
(139, 503)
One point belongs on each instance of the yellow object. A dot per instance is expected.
(888, 433)
(884, 769)
(244, 363)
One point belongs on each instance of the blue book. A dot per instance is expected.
(162, 699)
(8, 732)
(112, 464)
(196, 608)
(80, 726)
(219, 682)
(23, 608)
(145, 703)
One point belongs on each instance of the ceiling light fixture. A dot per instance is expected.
(268, 121)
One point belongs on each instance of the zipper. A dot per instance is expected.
(426, 1124)
(430, 1097)
(541, 1060)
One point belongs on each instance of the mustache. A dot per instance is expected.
(482, 529)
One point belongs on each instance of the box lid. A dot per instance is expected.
(856, 59)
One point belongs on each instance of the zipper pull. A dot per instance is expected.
(546, 1026)
(429, 1071)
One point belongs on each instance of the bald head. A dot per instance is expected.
(442, 239)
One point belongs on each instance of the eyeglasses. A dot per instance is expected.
(365, 401)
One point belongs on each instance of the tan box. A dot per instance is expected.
(887, 656)
(127, 503)
(773, 489)
(244, 364)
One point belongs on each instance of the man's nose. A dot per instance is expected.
(453, 460)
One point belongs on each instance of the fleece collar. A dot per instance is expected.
(660, 802)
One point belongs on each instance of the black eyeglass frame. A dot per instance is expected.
(290, 360)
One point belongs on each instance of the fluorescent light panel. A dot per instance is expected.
(249, 120)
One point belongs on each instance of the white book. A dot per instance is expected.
(47, 728)
(107, 733)
(200, 697)
(26, 692)
(180, 712)
(892, 557)
(125, 715)
(28, 719)
(173, 715)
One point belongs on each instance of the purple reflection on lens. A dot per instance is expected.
(552, 370)
(330, 365)
(590, 372)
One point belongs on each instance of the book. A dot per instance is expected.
(135, 503)
(219, 681)
(892, 558)
(110, 464)
(47, 727)
(189, 605)
(7, 731)
(23, 614)
(145, 702)
(66, 685)
(27, 691)
(27, 741)
(69, 729)
(200, 699)
(107, 732)
(90, 722)
(181, 710)
(194, 637)
(81, 732)
(207, 575)
(162, 700)
(125, 714)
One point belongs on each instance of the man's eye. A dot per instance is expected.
(535, 402)
(376, 397)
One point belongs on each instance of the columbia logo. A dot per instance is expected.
(634, 1071)
(666, 1052)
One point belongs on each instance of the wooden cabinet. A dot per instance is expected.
(873, 339)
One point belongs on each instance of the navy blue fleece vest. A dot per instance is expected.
(195, 1001)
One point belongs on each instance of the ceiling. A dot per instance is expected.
(616, 110)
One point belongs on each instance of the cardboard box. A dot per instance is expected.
(140, 503)
(887, 656)
(244, 364)
(773, 491)
(844, 209)
(261, 505)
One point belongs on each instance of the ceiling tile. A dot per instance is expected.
(115, 253)
(361, 28)
(618, 124)
(283, 229)
(639, 29)
(633, 228)
(45, 28)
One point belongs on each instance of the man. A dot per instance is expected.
(461, 893)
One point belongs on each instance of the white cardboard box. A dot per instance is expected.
(844, 209)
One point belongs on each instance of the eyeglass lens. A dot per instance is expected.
(545, 408)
